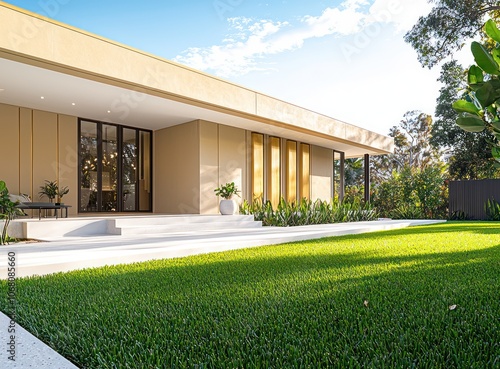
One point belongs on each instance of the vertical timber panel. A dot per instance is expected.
(9, 148)
(232, 158)
(44, 149)
(68, 160)
(26, 152)
(291, 171)
(257, 166)
(304, 171)
(273, 170)
(209, 167)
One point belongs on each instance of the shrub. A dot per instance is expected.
(411, 189)
(306, 212)
(492, 209)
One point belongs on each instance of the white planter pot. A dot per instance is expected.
(228, 207)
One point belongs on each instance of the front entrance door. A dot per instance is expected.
(115, 168)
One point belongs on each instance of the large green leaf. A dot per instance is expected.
(496, 125)
(495, 151)
(475, 75)
(488, 93)
(470, 123)
(492, 30)
(496, 55)
(484, 59)
(464, 106)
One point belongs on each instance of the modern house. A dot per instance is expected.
(127, 131)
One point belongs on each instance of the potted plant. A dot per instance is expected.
(227, 205)
(49, 189)
(60, 193)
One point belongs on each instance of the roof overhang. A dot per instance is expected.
(68, 71)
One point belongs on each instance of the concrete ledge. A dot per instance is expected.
(30, 352)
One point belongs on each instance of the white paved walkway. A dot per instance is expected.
(65, 254)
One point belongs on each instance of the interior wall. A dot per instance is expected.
(321, 173)
(176, 167)
(41, 146)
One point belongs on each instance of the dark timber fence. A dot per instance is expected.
(469, 196)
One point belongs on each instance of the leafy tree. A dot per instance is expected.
(447, 27)
(467, 153)
(479, 110)
(411, 147)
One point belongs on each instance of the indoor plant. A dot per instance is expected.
(227, 205)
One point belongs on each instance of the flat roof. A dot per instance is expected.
(81, 74)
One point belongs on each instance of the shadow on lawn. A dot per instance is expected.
(276, 310)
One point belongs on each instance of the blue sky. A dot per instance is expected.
(346, 59)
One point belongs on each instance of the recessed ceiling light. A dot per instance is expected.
(109, 111)
(42, 97)
(73, 104)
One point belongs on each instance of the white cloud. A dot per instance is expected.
(250, 41)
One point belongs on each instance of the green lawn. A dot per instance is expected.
(379, 300)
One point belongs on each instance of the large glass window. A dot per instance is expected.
(115, 168)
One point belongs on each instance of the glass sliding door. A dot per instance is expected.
(109, 169)
(88, 166)
(129, 171)
(115, 168)
(145, 195)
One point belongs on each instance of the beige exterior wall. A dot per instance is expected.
(233, 158)
(210, 155)
(176, 170)
(41, 146)
(209, 167)
(9, 149)
(321, 173)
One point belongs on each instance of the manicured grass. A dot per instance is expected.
(379, 300)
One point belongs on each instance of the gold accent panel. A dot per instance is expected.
(257, 165)
(304, 172)
(291, 171)
(273, 170)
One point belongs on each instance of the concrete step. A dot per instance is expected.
(47, 229)
(183, 227)
(168, 224)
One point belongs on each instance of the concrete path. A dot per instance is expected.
(23, 350)
(65, 254)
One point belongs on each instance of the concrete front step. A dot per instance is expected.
(47, 229)
(182, 227)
